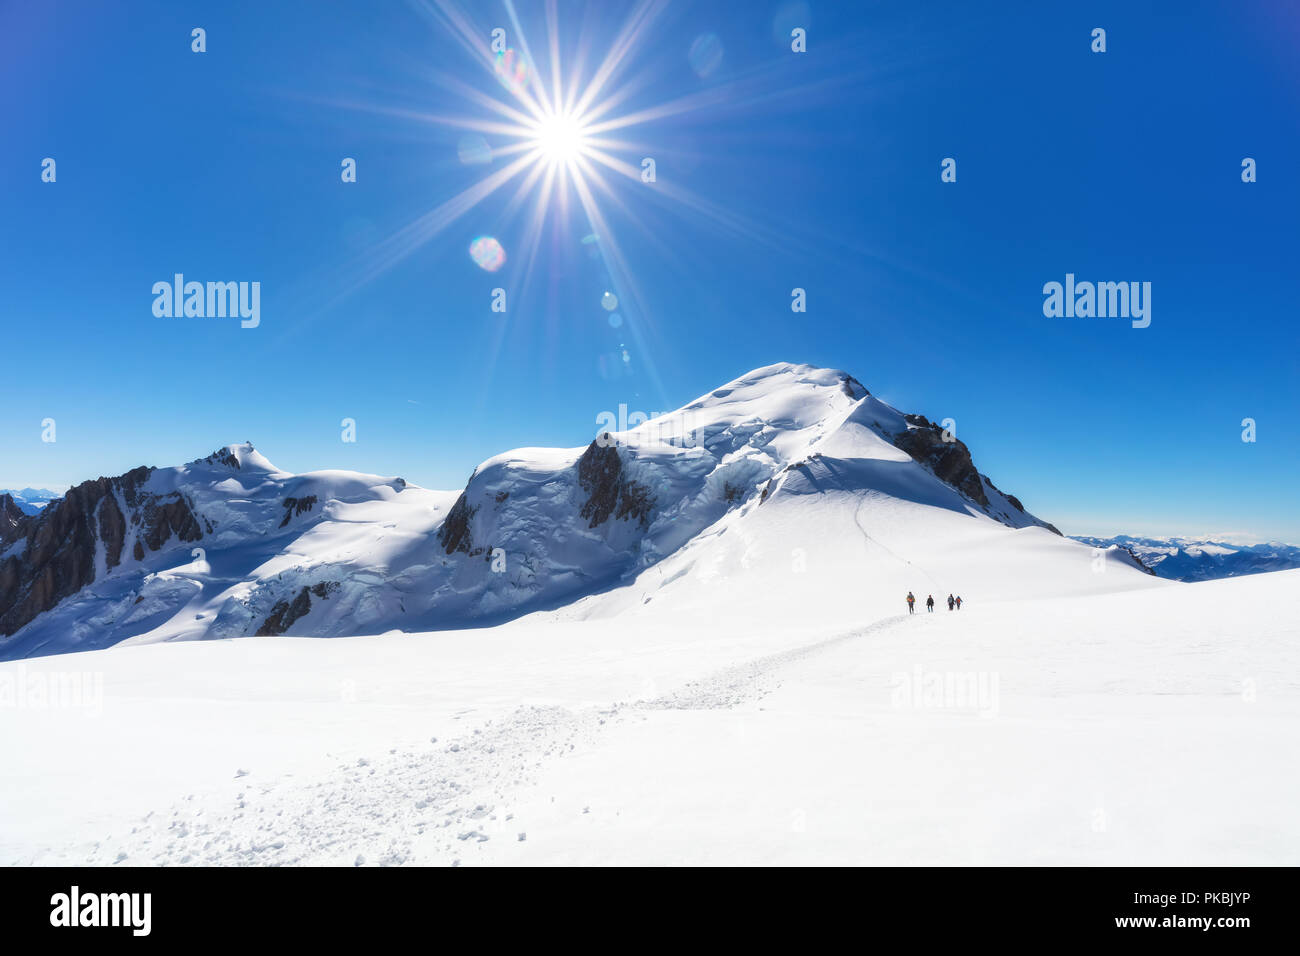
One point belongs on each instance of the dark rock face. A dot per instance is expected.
(454, 533)
(949, 460)
(1134, 555)
(57, 556)
(12, 521)
(223, 456)
(284, 613)
(599, 469)
(853, 388)
(166, 515)
(296, 506)
(112, 530)
(610, 492)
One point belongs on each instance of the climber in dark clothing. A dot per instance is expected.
(911, 600)
(929, 603)
(951, 602)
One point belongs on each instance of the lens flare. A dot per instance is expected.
(512, 71)
(487, 253)
(563, 139)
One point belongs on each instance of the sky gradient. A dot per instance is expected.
(818, 170)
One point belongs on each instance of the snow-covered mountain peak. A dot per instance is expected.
(785, 398)
(241, 457)
(782, 455)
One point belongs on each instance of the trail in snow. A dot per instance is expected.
(857, 519)
(425, 806)
(1141, 726)
(756, 679)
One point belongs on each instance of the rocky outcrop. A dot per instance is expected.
(56, 553)
(853, 388)
(167, 515)
(950, 461)
(12, 521)
(609, 491)
(284, 613)
(454, 533)
(296, 506)
(1140, 563)
(223, 456)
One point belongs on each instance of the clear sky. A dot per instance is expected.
(774, 170)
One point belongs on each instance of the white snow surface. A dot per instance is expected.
(1142, 726)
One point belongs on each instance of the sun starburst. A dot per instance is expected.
(561, 138)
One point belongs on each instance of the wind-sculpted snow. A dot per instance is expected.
(230, 546)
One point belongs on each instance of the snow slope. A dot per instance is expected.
(1143, 726)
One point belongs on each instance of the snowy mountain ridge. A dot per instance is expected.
(1191, 559)
(28, 500)
(229, 545)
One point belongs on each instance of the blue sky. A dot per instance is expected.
(818, 170)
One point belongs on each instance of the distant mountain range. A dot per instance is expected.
(1187, 559)
(786, 467)
(31, 500)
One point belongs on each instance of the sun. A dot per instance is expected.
(561, 138)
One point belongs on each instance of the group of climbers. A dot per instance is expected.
(953, 602)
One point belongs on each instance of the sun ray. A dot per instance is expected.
(553, 49)
(619, 51)
(390, 251)
(557, 134)
(626, 285)
(543, 102)
(472, 40)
